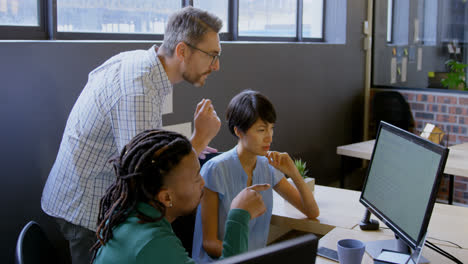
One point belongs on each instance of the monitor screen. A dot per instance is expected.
(402, 181)
(298, 250)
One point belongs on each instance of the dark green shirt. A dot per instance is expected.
(156, 242)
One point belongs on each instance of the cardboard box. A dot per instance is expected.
(432, 133)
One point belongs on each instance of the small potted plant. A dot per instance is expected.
(456, 77)
(302, 168)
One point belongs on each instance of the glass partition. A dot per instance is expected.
(420, 44)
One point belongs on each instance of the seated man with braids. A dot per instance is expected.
(158, 180)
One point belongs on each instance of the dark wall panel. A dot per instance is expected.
(317, 90)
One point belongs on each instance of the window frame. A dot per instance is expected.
(322, 39)
(47, 30)
(392, 19)
(99, 35)
(10, 32)
(299, 26)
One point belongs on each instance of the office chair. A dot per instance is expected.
(388, 106)
(391, 107)
(33, 246)
(184, 226)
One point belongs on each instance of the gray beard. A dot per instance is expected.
(192, 80)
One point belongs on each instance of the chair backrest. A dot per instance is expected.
(391, 107)
(33, 246)
(184, 226)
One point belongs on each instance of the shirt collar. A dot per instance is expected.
(159, 74)
(148, 210)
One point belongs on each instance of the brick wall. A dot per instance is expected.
(449, 112)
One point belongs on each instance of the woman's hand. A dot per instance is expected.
(282, 162)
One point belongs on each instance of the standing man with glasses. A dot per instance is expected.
(124, 96)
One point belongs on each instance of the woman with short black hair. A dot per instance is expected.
(251, 118)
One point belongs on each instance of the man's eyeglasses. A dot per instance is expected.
(214, 56)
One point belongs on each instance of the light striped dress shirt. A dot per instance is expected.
(123, 97)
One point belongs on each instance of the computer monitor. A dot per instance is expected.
(298, 250)
(401, 185)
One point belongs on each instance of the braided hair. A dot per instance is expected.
(140, 170)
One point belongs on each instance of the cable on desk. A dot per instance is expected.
(438, 249)
(450, 242)
(433, 238)
(443, 252)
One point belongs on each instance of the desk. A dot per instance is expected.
(448, 223)
(334, 203)
(341, 208)
(362, 150)
(456, 161)
(338, 233)
(463, 146)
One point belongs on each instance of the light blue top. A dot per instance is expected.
(224, 174)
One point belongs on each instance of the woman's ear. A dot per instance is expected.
(237, 132)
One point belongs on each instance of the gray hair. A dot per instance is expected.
(189, 24)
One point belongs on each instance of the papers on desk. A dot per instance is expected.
(391, 257)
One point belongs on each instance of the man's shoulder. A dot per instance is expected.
(143, 233)
(131, 58)
(162, 244)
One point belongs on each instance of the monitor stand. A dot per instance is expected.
(374, 248)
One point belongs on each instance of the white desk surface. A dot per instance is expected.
(341, 208)
(448, 223)
(457, 161)
(463, 146)
(361, 150)
(334, 203)
(338, 233)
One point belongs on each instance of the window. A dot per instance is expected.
(283, 20)
(19, 13)
(389, 21)
(312, 19)
(398, 22)
(217, 7)
(274, 18)
(22, 19)
(271, 20)
(453, 21)
(114, 16)
(429, 26)
(426, 35)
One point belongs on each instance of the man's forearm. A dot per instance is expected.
(198, 144)
(236, 237)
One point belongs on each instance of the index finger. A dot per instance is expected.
(210, 149)
(199, 105)
(206, 105)
(259, 187)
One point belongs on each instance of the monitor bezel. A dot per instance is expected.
(308, 240)
(443, 151)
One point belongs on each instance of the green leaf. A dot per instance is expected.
(301, 167)
(456, 76)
